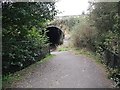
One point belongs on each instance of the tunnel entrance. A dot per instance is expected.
(55, 35)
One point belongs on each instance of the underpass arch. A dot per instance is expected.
(55, 36)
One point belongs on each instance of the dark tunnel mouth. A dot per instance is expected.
(55, 36)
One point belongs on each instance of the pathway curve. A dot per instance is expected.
(67, 70)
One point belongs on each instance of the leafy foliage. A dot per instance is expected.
(83, 34)
(24, 41)
(105, 17)
(99, 31)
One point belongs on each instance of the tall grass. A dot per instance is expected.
(83, 35)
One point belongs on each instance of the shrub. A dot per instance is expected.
(23, 40)
(83, 35)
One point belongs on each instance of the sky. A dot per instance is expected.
(71, 7)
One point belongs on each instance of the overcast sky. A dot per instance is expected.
(72, 7)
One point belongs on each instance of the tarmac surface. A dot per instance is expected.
(66, 70)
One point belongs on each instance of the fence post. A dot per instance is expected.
(49, 48)
(112, 63)
(111, 59)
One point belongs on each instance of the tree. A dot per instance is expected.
(23, 38)
(106, 18)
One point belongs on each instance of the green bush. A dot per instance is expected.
(105, 18)
(23, 37)
(83, 35)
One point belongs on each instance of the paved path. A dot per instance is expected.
(67, 70)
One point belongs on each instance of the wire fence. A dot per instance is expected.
(111, 59)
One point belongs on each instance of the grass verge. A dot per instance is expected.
(113, 74)
(63, 48)
(87, 53)
(9, 79)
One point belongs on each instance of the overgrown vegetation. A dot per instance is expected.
(24, 40)
(99, 32)
(105, 18)
(83, 34)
